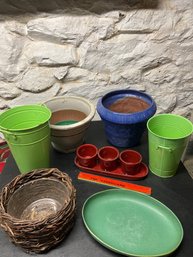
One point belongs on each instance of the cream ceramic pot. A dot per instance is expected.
(66, 138)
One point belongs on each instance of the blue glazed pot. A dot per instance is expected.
(124, 129)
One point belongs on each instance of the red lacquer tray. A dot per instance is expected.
(118, 173)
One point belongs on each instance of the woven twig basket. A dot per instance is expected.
(38, 234)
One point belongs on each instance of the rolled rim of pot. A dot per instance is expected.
(87, 105)
(125, 118)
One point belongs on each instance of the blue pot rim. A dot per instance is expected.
(126, 118)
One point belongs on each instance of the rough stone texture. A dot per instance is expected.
(8, 90)
(31, 98)
(37, 80)
(89, 48)
(84, 83)
(69, 29)
(11, 60)
(48, 54)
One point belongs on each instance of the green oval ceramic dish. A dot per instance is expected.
(132, 223)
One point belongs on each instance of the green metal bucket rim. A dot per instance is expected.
(174, 115)
(3, 129)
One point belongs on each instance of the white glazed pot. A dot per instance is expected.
(66, 138)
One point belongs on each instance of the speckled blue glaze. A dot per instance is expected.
(124, 129)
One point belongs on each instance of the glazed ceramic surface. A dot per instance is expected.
(130, 161)
(67, 134)
(132, 223)
(87, 155)
(108, 158)
(142, 171)
(124, 129)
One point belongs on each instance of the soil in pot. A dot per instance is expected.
(67, 117)
(129, 105)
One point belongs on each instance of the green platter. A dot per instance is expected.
(132, 223)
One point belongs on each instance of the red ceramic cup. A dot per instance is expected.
(130, 161)
(87, 155)
(108, 158)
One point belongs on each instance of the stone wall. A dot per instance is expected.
(88, 48)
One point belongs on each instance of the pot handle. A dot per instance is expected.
(8, 134)
(169, 149)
